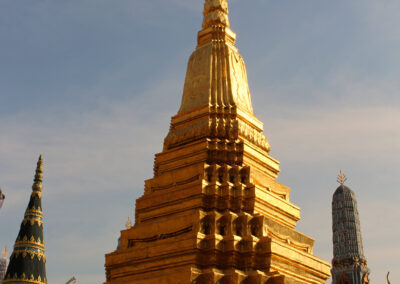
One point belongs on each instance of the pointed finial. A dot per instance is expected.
(37, 184)
(387, 277)
(341, 178)
(215, 13)
(5, 253)
(128, 224)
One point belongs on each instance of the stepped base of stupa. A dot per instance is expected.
(214, 247)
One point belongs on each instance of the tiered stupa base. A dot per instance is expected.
(210, 247)
(213, 223)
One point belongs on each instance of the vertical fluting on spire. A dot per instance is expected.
(216, 100)
(28, 259)
(348, 261)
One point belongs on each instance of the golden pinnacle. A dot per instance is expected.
(128, 224)
(341, 178)
(215, 13)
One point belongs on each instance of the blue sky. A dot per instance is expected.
(92, 84)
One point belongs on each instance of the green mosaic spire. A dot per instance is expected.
(349, 264)
(28, 259)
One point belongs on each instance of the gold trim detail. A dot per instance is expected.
(34, 244)
(34, 212)
(24, 279)
(31, 254)
(32, 221)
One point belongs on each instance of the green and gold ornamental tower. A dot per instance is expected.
(28, 259)
(349, 264)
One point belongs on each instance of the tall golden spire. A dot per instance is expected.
(214, 212)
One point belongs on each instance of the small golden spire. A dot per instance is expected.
(387, 277)
(341, 178)
(128, 224)
(215, 13)
(37, 184)
(5, 253)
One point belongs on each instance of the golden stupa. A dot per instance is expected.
(214, 212)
